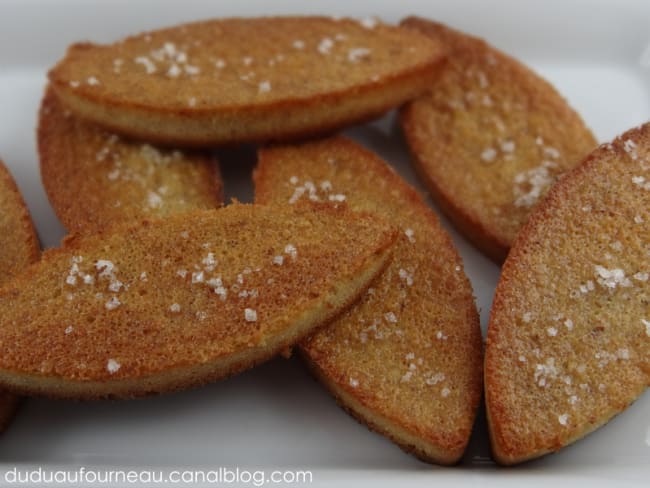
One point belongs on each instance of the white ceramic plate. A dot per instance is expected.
(276, 416)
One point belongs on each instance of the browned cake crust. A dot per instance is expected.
(18, 248)
(94, 178)
(178, 302)
(407, 359)
(255, 79)
(568, 342)
(490, 138)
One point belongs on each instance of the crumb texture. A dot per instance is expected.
(168, 304)
(407, 358)
(19, 247)
(569, 334)
(490, 138)
(95, 178)
(18, 242)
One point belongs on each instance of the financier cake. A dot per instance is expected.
(407, 359)
(246, 79)
(490, 138)
(18, 248)
(162, 305)
(568, 342)
(94, 178)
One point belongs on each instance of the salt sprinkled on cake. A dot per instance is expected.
(112, 366)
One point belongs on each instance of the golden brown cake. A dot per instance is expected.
(407, 359)
(569, 335)
(168, 304)
(94, 178)
(18, 248)
(490, 138)
(246, 79)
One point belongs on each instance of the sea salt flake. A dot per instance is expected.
(391, 317)
(551, 331)
(291, 250)
(113, 303)
(368, 22)
(354, 383)
(489, 154)
(339, 197)
(250, 315)
(175, 308)
(92, 81)
(325, 45)
(112, 366)
(406, 276)
(409, 233)
(264, 87)
(611, 278)
(278, 260)
(508, 146)
(435, 379)
(563, 419)
(154, 200)
(355, 54)
(174, 71)
(298, 44)
(641, 276)
(445, 392)
(149, 66)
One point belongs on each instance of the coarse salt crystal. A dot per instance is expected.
(489, 154)
(298, 44)
(264, 87)
(355, 54)
(113, 303)
(278, 260)
(325, 45)
(250, 315)
(354, 382)
(112, 366)
(563, 419)
(390, 317)
(149, 66)
(368, 22)
(175, 307)
(291, 250)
